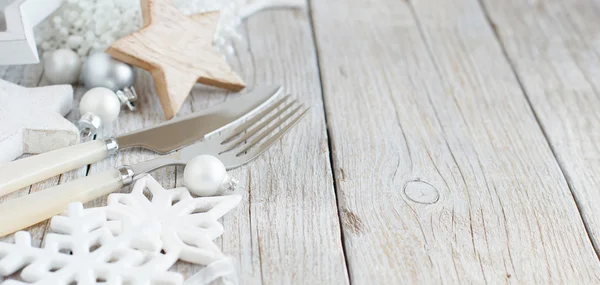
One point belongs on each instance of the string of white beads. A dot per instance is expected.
(88, 25)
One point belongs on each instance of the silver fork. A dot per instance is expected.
(234, 146)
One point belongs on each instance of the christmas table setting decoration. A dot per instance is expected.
(234, 146)
(80, 28)
(138, 236)
(163, 138)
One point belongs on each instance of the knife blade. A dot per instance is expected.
(177, 133)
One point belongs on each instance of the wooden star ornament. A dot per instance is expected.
(31, 119)
(178, 51)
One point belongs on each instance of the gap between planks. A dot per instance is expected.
(543, 130)
(332, 164)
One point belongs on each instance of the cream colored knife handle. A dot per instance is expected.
(25, 211)
(24, 172)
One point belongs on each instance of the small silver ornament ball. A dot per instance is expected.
(205, 175)
(62, 66)
(101, 70)
(101, 102)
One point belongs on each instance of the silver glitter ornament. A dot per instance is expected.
(101, 70)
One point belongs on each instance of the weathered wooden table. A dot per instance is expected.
(449, 142)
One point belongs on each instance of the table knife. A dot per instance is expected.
(163, 138)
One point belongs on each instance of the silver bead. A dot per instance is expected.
(101, 70)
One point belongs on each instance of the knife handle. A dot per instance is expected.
(28, 210)
(24, 172)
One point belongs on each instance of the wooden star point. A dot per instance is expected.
(178, 51)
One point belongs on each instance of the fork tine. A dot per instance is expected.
(235, 131)
(256, 129)
(266, 132)
(241, 159)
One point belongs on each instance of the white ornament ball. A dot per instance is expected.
(205, 175)
(62, 67)
(101, 102)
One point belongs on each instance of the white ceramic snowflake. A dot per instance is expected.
(133, 240)
(188, 225)
(84, 251)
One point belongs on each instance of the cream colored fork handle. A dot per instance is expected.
(25, 211)
(24, 172)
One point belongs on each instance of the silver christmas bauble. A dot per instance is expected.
(62, 67)
(101, 70)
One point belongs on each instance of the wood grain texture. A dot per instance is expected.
(289, 224)
(177, 50)
(421, 102)
(554, 48)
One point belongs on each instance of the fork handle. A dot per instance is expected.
(24, 172)
(25, 211)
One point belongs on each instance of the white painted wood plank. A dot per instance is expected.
(554, 47)
(293, 224)
(442, 172)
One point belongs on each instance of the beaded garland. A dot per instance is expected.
(85, 26)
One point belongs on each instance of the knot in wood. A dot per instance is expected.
(421, 192)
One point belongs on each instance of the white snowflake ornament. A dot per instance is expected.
(135, 239)
(83, 251)
(188, 225)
